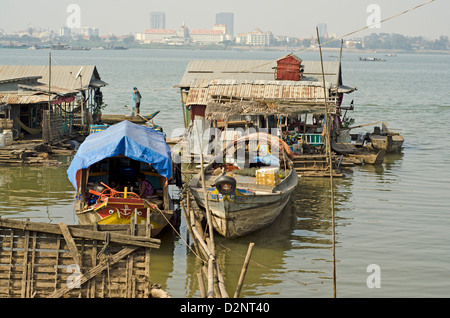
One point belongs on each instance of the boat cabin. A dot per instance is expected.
(121, 174)
(108, 166)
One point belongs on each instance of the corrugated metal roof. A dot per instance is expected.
(61, 76)
(201, 71)
(44, 88)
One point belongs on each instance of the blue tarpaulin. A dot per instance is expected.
(125, 138)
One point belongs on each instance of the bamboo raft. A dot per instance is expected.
(41, 260)
(34, 152)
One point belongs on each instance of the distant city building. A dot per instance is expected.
(322, 27)
(84, 31)
(89, 31)
(226, 18)
(155, 35)
(183, 35)
(259, 38)
(157, 20)
(207, 36)
(65, 32)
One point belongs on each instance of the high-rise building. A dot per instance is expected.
(157, 20)
(226, 18)
(322, 27)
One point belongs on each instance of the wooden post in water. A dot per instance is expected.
(205, 195)
(48, 128)
(328, 140)
(244, 270)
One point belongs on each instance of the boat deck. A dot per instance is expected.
(243, 182)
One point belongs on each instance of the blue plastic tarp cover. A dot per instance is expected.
(125, 138)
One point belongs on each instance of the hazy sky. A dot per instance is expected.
(296, 18)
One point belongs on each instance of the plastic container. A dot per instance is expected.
(97, 128)
(8, 136)
(2, 140)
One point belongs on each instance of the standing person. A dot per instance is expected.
(136, 99)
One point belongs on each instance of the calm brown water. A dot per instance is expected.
(395, 216)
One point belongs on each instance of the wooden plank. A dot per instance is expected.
(146, 273)
(10, 260)
(58, 246)
(25, 264)
(129, 268)
(37, 266)
(30, 290)
(97, 270)
(70, 243)
(140, 241)
(91, 286)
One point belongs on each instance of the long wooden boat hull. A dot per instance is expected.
(114, 119)
(388, 143)
(246, 211)
(119, 211)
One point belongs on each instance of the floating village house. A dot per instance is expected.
(265, 93)
(37, 99)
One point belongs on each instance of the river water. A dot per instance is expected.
(392, 220)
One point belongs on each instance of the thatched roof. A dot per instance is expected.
(221, 111)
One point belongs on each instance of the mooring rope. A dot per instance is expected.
(173, 228)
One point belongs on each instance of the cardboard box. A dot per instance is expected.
(268, 176)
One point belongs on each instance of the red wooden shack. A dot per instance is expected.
(289, 68)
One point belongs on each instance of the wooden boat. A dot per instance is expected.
(361, 153)
(385, 139)
(115, 118)
(371, 59)
(239, 203)
(389, 142)
(369, 157)
(117, 155)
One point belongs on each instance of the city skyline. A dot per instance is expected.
(294, 19)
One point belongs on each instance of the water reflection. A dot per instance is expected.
(292, 257)
(36, 192)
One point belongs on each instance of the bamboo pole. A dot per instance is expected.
(244, 270)
(201, 283)
(183, 108)
(353, 127)
(327, 116)
(205, 195)
(210, 278)
(221, 282)
(48, 129)
(206, 246)
(189, 226)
